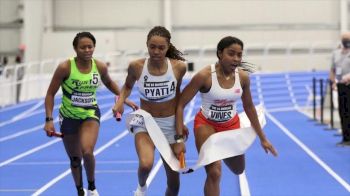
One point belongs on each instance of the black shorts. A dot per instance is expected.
(71, 126)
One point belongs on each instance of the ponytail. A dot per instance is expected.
(163, 32)
(174, 53)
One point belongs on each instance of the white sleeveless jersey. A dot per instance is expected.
(219, 104)
(157, 88)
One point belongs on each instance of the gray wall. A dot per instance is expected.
(50, 25)
(10, 28)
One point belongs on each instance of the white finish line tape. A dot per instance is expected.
(218, 146)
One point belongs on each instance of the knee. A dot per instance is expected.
(145, 166)
(88, 154)
(75, 162)
(214, 173)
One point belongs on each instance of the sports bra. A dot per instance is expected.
(157, 88)
(219, 104)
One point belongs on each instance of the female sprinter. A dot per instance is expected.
(220, 85)
(79, 113)
(158, 78)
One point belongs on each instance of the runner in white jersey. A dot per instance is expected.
(221, 85)
(219, 104)
(158, 79)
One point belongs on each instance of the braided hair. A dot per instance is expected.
(163, 32)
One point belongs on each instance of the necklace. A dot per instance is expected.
(226, 77)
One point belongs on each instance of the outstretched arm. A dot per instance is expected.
(126, 90)
(249, 109)
(106, 79)
(110, 84)
(186, 96)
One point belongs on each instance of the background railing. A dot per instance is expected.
(20, 82)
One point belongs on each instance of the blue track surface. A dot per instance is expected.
(309, 163)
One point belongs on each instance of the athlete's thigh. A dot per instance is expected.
(144, 145)
(72, 144)
(88, 133)
(236, 164)
(201, 134)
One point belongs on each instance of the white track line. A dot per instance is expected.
(121, 171)
(16, 106)
(65, 173)
(154, 172)
(24, 132)
(30, 110)
(29, 152)
(23, 114)
(309, 152)
(17, 190)
(105, 116)
(33, 150)
(243, 185)
(67, 162)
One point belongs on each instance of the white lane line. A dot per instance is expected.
(28, 163)
(115, 171)
(24, 132)
(309, 152)
(104, 117)
(23, 114)
(30, 110)
(154, 172)
(243, 185)
(282, 109)
(65, 173)
(51, 182)
(149, 180)
(16, 106)
(17, 190)
(67, 162)
(33, 150)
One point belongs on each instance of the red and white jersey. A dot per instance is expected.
(219, 104)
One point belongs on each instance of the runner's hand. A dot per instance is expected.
(49, 128)
(131, 104)
(268, 147)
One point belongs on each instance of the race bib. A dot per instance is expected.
(82, 99)
(137, 120)
(220, 113)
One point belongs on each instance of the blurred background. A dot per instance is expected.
(290, 42)
(279, 35)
